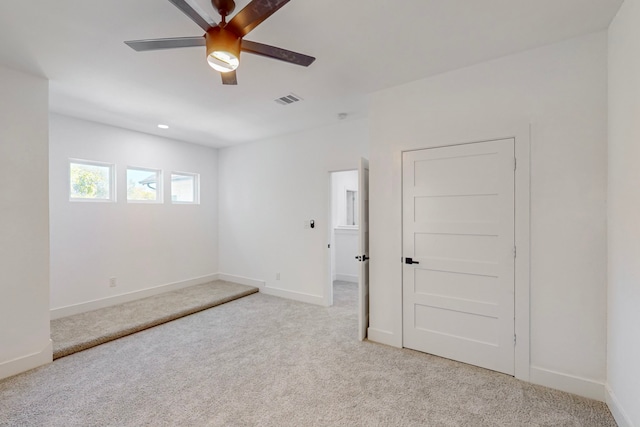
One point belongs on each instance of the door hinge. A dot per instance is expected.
(514, 252)
(329, 246)
(515, 163)
(514, 339)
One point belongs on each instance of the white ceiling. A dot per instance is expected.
(361, 46)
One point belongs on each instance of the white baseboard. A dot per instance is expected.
(28, 362)
(70, 310)
(571, 384)
(616, 409)
(296, 296)
(241, 280)
(347, 277)
(276, 292)
(383, 337)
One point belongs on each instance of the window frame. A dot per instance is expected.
(196, 187)
(112, 181)
(159, 182)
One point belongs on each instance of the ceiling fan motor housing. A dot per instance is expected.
(224, 7)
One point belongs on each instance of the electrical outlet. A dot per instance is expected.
(277, 276)
(113, 282)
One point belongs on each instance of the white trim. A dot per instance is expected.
(347, 277)
(28, 362)
(70, 310)
(196, 187)
(241, 280)
(522, 356)
(159, 185)
(276, 292)
(112, 181)
(383, 337)
(619, 414)
(293, 295)
(329, 254)
(570, 383)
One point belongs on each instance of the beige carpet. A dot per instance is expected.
(266, 361)
(82, 331)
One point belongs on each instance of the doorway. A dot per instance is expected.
(348, 236)
(343, 235)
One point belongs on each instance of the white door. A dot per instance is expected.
(363, 248)
(458, 249)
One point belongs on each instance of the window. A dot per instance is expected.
(91, 181)
(144, 185)
(352, 208)
(184, 188)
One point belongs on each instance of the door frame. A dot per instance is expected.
(328, 288)
(522, 285)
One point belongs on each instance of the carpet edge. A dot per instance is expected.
(67, 351)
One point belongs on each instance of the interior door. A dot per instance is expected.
(458, 249)
(363, 248)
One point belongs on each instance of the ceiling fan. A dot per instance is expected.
(225, 40)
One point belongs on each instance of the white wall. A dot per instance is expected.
(623, 373)
(344, 239)
(561, 91)
(268, 190)
(24, 223)
(142, 245)
(346, 249)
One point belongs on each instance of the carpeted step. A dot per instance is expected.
(82, 331)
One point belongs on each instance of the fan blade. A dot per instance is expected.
(172, 43)
(277, 53)
(229, 78)
(191, 13)
(253, 15)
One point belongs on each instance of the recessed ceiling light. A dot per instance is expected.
(163, 126)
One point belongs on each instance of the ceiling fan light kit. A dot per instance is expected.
(223, 50)
(224, 41)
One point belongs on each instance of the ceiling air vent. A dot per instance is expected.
(289, 99)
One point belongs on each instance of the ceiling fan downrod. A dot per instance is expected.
(224, 8)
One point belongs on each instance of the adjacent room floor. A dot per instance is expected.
(266, 361)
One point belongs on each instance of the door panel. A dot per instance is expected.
(462, 247)
(458, 226)
(457, 324)
(456, 209)
(455, 284)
